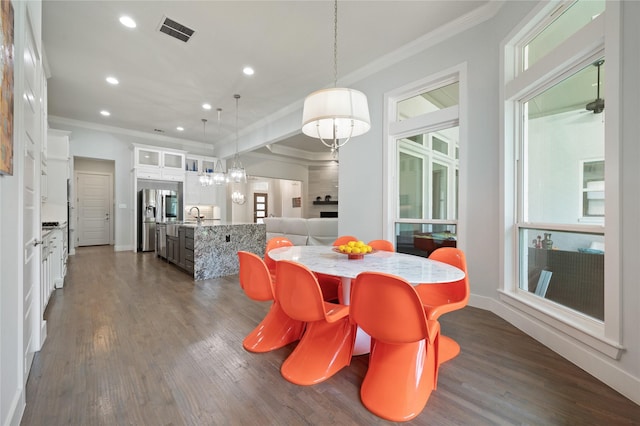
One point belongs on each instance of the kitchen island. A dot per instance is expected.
(210, 249)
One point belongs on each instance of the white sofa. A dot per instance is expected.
(311, 232)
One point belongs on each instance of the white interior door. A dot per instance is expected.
(94, 208)
(34, 326)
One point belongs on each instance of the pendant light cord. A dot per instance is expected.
(219, 110)
(335, 43)
(236, 97)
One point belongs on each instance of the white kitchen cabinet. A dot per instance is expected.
(195, 193)
(54, 254)
(60, 255)
(198, 163)
(159, 164)
(147, 157)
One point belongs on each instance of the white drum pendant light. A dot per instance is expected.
(335, 114)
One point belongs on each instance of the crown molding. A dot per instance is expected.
(446, 31)
(162, 139)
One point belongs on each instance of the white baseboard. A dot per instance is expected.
(16, 409)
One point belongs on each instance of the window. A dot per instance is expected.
(592, 193)
(559, 135)
(556, 266)
(565, 20)
(424, 139)
(427, 178)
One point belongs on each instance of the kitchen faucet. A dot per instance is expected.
(197, 217)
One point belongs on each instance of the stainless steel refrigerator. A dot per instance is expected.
(154, 205)
(147, 211)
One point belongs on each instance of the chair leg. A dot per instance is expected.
(323, 350)
(448, 350)
(276, 330)
(399, 380)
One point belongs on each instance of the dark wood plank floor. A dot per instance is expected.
(134, 341)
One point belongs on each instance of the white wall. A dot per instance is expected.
(323, 181)
(629, 176)
(290, 189)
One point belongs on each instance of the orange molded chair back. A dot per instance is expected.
(403, 362)
(254, 277)
(298, 292)
(387, 308)
(327, 344)
(441, 298)
(277, 329)
(384, 245)
(344, 239)
(274, 242)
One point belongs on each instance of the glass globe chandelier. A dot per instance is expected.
(204, 178)
(237, 172)
(218, 176)
(238, 197)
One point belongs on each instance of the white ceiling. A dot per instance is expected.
(164, 82)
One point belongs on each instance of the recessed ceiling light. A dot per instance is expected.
(127, 22)
(112, 80)
(248, 71)
(180, 128)
(206, 106)
(105, 113)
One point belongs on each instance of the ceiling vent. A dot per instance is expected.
(176, 30)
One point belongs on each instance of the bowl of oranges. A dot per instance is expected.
(354, 249)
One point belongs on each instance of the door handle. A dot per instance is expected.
(37, 242)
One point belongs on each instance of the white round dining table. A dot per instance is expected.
(322, 259)
(415, 269)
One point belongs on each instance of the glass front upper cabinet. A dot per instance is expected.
(148, 157)
(173, 161)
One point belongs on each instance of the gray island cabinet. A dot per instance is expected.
(211, 250)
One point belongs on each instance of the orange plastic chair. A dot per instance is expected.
(330, 285)
(344, 239)
(273, 243)
(327, 344)
(403, 365)
(384, 245)
(277, 329)
(439, 299)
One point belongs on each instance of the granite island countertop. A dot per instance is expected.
(216, 246)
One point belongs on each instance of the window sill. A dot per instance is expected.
(586, 330)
